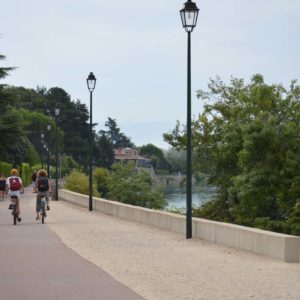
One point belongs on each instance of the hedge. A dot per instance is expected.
(25, 173)
(5, 168)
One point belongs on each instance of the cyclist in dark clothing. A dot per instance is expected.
(2, 186)
(43, 187)
(33, 179)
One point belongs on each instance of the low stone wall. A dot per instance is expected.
(279, 246)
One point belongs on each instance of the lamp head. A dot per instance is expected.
(189, 15)
(91, 82)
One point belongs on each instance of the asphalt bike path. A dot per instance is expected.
(35, 264)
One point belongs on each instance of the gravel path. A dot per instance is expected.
(160, 265)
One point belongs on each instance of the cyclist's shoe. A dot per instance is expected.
(47, 207)
(37, 217)
(19, 219)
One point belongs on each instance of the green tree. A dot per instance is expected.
(176, 160)
(103, 152)
(11, 125)
(127, 186)
(31, 155)
(36, 123)
(156, 155)
(248, 139)
(67, 165)
(115, 136)
(73, 121)
(101, 179)
(28, 99)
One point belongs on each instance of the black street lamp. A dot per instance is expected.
(48, 163)
(189, 15)
(91, 83)
(42, 142)
(56, 111)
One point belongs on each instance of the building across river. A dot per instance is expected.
(132, 155)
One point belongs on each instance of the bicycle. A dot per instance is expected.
(43, 209)
(13, 206)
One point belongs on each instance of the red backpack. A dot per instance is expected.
(14, 183)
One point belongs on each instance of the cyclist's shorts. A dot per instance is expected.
(14, 193)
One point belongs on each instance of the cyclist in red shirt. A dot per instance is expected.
(14, 187)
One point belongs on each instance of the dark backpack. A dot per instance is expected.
(14, 183)
(43, 184)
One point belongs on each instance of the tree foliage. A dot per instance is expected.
(156, 155)
(104, 152)
(101, 179)
(78, 182)
(127, 186)
(248, 139)
(115, 136)
(11, 125)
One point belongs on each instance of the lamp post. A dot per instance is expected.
(42, 142)
(48, 163)
(56, 111)
(189, 15)
(91, 83)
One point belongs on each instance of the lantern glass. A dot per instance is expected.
(91, 82)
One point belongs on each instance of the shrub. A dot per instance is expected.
(101, 179)
(127, 186)
(162, 172)
(265, 223)
(5, 168)
(78, 182)
(67, 164)
(25, 173)
(175, 210)
(36, 167)
(294, 220)
(212, 210)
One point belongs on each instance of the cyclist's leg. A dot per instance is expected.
(18, 206)
(18, 210)
(15, 196)
(12, 202)
(38, 205)
(47, 201)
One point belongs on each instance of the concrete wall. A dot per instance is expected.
(279, 246)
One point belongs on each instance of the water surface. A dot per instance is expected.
(175, 195)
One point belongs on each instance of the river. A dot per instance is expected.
(175, 195)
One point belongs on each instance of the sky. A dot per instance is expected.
(137, 49)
